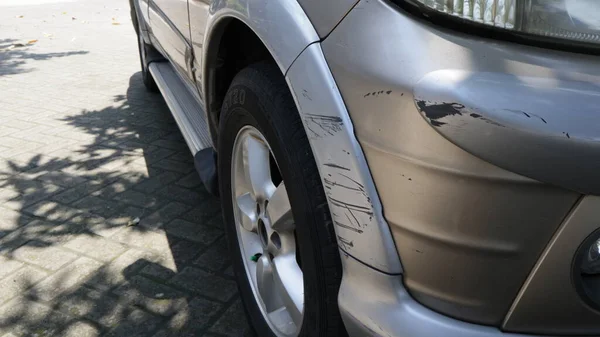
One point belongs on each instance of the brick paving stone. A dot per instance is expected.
(206, 284)
(193, 320)
(184, 251)
(193, 231)
(204, 212)
(8, 266)
(24, 317)
(137, 324)
(81, 329)
(230, 324)
(157, 182)
(97, 306)
(84, 149)
(96, 246)
(41, 255)
(216, 257)
(164, 215)
(13, 285)
(152, 296)
(58, 283)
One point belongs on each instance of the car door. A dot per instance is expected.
(170, 28)
(198, 19)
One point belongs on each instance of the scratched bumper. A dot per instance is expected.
(478, 149)
(376, 304)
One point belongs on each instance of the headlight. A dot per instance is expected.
(575, 20)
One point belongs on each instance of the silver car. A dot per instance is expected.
(394, 168)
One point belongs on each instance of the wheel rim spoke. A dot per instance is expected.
(257, 168)
(266, 285)
(280, 211)
(247, 206)
(289, 281)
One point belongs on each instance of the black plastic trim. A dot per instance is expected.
(486, 31)
(205, 162)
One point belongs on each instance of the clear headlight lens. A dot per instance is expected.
(577, 20)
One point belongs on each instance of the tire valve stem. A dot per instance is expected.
(255, 257)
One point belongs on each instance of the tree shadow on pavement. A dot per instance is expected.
(75, 259)
(14, 56)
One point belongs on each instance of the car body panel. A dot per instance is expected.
(376, 304)
(326, 14)
(266, 19)
(169, 25)
(468, 232)
(549, 292)
(355, 207)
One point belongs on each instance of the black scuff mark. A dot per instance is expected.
(313, 132)
(419, 251)
(356, 230)
(337, 166)
(346, 152)
(330, 184)
(435, 111)
(326, 125)
(345, 242)
(305, 95)
(354, 181)
(474, 115)
(353, 216)
(351, 207)
(377, 93)
(401, 94)
(528, 115)
(566, 134)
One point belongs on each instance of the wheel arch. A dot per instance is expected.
(243, 32)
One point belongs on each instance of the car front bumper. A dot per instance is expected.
(479, 150)
(376, 304)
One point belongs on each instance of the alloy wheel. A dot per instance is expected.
(266, 233)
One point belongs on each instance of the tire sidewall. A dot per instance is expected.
(243, 106)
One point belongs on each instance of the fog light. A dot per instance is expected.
(586, 270)
(591, 260)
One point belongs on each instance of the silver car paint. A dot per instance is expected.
(378, 305)
(468, 232)
(169, 26)
(266, 19)
(355, 207)
(326, 14)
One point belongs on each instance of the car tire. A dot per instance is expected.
(259, 98)
(145, 52)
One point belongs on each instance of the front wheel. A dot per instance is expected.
(277, 220)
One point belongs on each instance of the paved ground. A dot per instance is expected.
(84, 149)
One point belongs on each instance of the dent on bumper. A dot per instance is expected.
(546, 128)
(376, 304)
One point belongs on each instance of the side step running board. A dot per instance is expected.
(186, 109)
(189, 115)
